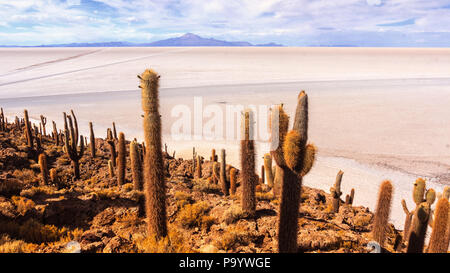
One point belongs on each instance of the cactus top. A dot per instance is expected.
(419, 191)
(149, 85)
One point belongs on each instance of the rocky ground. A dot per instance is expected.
(103, 217)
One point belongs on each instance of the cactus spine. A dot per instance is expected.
(336, 192)
(223, 176)
(71, 143)
(155, 188)
(136, 166)
(268, 170)
(438, 243)
(291, 157)
(91, 139)
(381, 219)
(44, 168)
(122, 160)
(248, 165)
(418, 228)
(233, 181)
(29, 135)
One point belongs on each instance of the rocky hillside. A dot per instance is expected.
(43, 215)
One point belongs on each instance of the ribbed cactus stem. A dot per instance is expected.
(44, 168)
(199, 167)
(114, 130)
(223, 176)
(438, 243)
(233, 181)
(419, 191)
(248, 165)
(268, 170)
(28, 132)
(418, 228)
(122, 160)
(155, 187)
(111, 168)
(430, 196)
(71, 143)
(54, 176)
(44, 122)
(213, 155)
(136, 166)
(112, 146)
(352, 196)
(382, 212)
(91, 139)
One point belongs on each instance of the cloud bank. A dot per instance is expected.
(294, 23)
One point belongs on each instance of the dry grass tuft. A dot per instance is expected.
(196, 215)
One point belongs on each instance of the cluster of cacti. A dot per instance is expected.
(71, 142)
(292, 155)
(382, 212)
(155, 188)
(248, 165)
(417, 221)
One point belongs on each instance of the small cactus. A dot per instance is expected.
(121, 159)
(29, 135)
(91, 140)
(55, 133)
(71, 143)
(111, 168)
(199, 167)
(112, 146)
(383, 209)
(114, 130)
(44, 122)
(419, 191)
(233, 181)
(54, 176)
(438, 243)
(408, 220)
(223, 177)
(136, 166)
(352, 196)
(430, 196)
(336, 192)
(213, 155)
(44, 168)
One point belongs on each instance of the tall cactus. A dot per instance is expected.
(114, 130)
(91, 139)
(248, 165)
(44, 167)
(155, 187)
(408, 219)
(28, 132)
(199, 167)
(268, 170)
(223, 177)
(122, 160)
(418, 228)
(71, 143)
(213, 155)
(383, 209)
(336, 192)
(291, 156)
(438, 243)
(136, 166)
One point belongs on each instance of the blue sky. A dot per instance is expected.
(418, 23)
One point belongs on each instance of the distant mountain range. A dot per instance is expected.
(188, 39)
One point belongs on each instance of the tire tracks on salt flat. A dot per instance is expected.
(93, 67)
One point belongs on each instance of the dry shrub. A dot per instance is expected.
(127, 187)
(233, 237)
(182, 199)
(233, 214)
(35, 232)
(195, 215)
(265, 196)
(33, 191)
(8, 245)
(27, 176)
(173, 243)
(105, 194)
(23, 204)
(205, 186)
